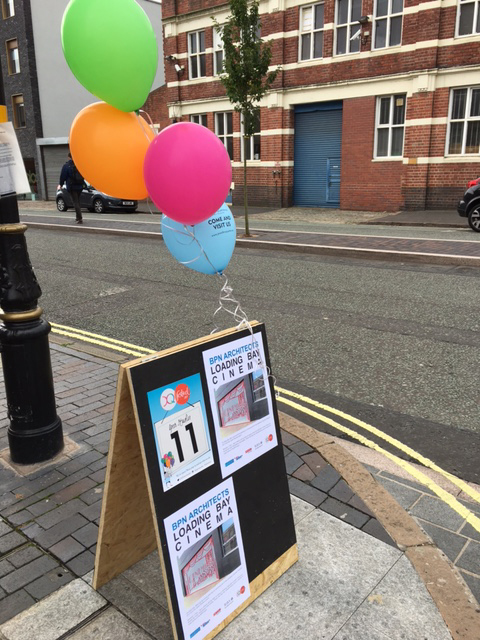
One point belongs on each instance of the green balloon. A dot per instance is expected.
(111, 48)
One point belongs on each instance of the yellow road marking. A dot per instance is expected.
(81, 332)
(441, 493)
(119, 345)
(100, 343)
(393, 441)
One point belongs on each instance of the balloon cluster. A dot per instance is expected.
(110, 47)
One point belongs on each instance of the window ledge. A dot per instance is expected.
(310, 61)
(388, 159)
(394, 46)
(350, 54)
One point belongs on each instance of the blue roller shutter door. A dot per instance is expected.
(317, 154)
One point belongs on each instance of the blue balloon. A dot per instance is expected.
(205, 247)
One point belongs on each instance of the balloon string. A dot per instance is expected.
(227, 301)
(152, 127)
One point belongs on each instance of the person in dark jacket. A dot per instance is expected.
(75, 183)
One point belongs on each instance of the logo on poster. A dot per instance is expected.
(182, 393)
(167, 399)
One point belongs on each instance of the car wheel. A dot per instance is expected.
(61, 206)
(98, 205)
(474, 219)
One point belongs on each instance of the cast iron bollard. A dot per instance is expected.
(35, 431)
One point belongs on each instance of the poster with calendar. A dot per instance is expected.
(181, 430)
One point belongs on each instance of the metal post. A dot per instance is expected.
(35, 431)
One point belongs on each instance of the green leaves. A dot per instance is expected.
(247, 58)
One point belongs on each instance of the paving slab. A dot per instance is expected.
(57, 614)
(110, 625)
(401, 607)
(146, 575)
(138, 607)
(311, 603)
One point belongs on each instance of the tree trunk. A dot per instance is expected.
(245, 194)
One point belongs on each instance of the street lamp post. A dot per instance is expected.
(35, 431)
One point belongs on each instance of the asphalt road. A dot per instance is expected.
(395, 345)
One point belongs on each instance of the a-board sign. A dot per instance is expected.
(196, 469)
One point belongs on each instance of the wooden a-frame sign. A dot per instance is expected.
(140, 507)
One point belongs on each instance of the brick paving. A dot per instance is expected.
(49, 518)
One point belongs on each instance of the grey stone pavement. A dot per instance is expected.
(351, 583)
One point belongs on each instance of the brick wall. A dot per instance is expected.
(156, 107)
(366, 184)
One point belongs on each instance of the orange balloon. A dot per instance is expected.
(108, 147)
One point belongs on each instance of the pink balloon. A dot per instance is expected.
(187, 172)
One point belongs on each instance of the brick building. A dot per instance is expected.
(376, 107)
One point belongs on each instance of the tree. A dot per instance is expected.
(245, 74)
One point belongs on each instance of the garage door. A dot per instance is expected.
(317, 155)
(54, 157)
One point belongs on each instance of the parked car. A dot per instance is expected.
(94, 200)
(469, 206)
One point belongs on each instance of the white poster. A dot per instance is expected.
(207, 559)
(13, 177)
(241, 402)
(180, 429)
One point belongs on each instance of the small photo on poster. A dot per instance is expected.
(207, 559)
(181, 430)
(241, 401)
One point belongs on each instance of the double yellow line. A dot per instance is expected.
(418, 475)
(471, 518)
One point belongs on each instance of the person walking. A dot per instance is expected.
(72, 177)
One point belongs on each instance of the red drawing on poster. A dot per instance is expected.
(234, 406)
(201, 570)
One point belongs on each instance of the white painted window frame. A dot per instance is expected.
(217, 47)
(251, 141)
(197, 54)
(352, 27)
(223, 137)
(388, 17)
(311, 31)
(466, 119)
(199, 118)
(389, 126)
(474, 21)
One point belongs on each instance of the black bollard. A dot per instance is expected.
(35, 431)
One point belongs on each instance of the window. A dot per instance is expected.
(8, 9)
(468, 21)
(224, 130)
(18, 107)
(13, 61)
(348, 30)
(390, 126)
(258, 382)
(464, 121)
(251, 146)
(229, 537)
(311, 32)
(200, 118)
(196, 54)
(217, 52)
(387, 23)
